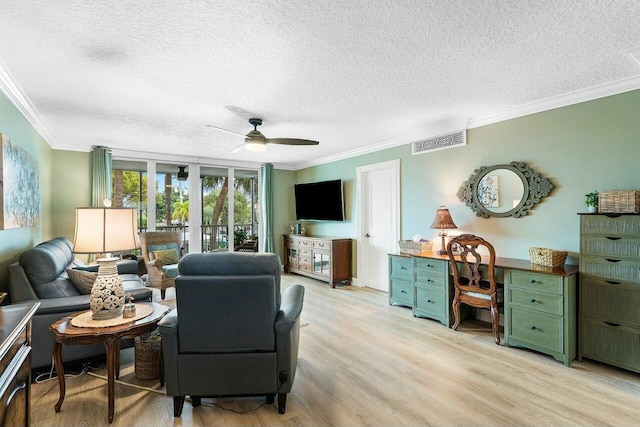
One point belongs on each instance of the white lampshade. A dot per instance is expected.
(102, 230)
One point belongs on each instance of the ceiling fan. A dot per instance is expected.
(256, 141)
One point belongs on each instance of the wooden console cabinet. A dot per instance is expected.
(15, 363)
(323, 258)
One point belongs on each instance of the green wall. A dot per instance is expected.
(14, 241)
(72, 189)
(582, 147)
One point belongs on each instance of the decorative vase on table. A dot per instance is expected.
(107, 293)
(592, 209)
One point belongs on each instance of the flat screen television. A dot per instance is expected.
(319, 201)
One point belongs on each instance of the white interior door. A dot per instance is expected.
(378, 221)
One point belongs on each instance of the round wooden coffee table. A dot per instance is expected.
(67, 334)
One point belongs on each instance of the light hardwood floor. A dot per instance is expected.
(365, 363)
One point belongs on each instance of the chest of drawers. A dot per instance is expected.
(609, 328)
(15, 363)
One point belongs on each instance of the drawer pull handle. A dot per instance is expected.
(612, 324)
(533, 300)
(429, 266)
(20, 386)
(403, 291)
(614, 238)
(429, 280)
(403, 268)
(612, 282)
(533, 281)
(533, 328)
(613, 260)
(429, 300)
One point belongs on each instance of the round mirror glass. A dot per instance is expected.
(500, 190)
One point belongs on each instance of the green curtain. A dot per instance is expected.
(101, 175)
(266, 172)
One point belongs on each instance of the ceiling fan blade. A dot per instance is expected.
(291, 141)
(237, 149)
(228, 131)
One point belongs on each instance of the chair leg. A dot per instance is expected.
(282, 402)
(195, 401)
(270, 398)
(495, 323)
(163, 293)
(178, 402)
(456, 310)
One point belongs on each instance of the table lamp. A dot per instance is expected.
(102, 230)
(443, 221)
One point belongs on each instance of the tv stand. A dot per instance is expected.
(323, 258)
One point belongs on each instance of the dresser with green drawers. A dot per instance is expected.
(610, 289)
(539, 308)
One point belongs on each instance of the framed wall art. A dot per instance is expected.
(19, 186)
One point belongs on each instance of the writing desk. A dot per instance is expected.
(539, 302)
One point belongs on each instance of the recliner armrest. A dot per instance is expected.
(290, 308)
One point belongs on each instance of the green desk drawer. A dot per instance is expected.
(609, 300)
(611, 246)
(540, 329)
(617, 345)
(400, 268)
(539, 301)
(434, 266)
(536, 282)
(401, 292)
(430, 302)
(626, 225)
(611, 268)
(428, 279)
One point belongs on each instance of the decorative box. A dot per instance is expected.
(411, 247)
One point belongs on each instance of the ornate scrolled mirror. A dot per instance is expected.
(504, 190)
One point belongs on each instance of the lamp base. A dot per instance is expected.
(107, 293)
(442, 252)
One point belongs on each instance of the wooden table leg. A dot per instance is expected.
(57, 357)
(112, 345)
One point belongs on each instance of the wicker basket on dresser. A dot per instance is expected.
(610, 289)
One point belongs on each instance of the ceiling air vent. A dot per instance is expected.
(441, 142)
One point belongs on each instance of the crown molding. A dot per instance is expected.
(588, 94)
(14, 92)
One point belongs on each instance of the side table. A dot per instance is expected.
(65, 333)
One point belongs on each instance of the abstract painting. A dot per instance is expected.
(488, 193)
(19, 187)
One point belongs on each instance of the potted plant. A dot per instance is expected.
(591, 201)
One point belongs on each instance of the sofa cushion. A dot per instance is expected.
(166, 256)
(48, 260)
(160, 247)
(171, 270)
(58, 288)
(83, 280)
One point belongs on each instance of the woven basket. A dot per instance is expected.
(411, 247)
(619, 201)
(147, 357)
(548, 257)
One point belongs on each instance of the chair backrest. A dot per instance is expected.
(469, 260)
(159, 240)
(228, 302)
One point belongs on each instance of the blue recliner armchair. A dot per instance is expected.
(232, 333)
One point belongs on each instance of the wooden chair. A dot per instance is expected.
(160, 276)
(471, 287)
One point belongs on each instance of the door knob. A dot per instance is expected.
(367, 235)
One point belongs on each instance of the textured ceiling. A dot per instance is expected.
(148, 75)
